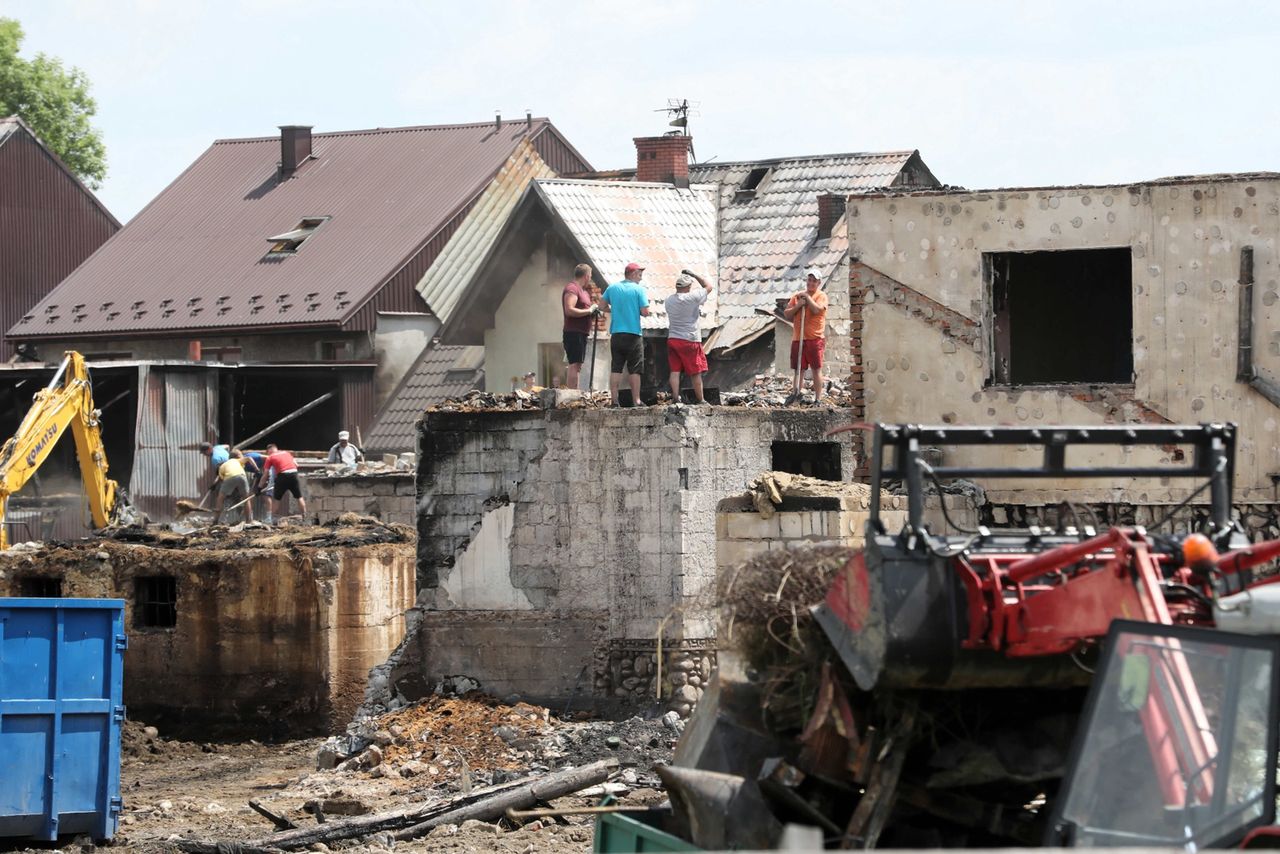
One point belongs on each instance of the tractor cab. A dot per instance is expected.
(1177, 743)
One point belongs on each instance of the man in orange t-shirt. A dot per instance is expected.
(811, 304)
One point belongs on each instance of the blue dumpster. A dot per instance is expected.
(61, 706)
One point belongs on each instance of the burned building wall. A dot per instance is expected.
(600, 521)
(946, 283)
(266, 641)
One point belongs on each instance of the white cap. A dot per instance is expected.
(343, 435)
(684, 281)
(815, 272)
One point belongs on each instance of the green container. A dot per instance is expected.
(619, 833)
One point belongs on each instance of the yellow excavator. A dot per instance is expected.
(66, 402)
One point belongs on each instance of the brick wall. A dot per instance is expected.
(387, 497)
(663, 159)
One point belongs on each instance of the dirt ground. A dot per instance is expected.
(176, 789)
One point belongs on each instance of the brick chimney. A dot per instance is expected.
(663, 159)
(830, 209)
(295, 147)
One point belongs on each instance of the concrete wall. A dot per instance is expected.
(742, 533)
(399, 340)
(388, 497)
(266, 641)
(599, 517)
(922, 306)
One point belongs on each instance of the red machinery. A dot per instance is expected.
(1005, 608)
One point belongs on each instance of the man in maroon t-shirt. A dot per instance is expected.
(579, 313)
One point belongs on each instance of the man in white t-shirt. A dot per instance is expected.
(684, 342)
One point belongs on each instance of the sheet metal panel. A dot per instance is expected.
(195, 257)
(175, 408)
(444, 281)
(49, 223)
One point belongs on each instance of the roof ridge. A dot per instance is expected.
(604, 182)
(715, 164)
(543, 120)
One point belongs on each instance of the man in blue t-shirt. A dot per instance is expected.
(626, 302)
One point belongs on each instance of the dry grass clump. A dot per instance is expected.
(766, 617)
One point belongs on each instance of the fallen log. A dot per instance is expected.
(367, 825)
(275, 818)
(543, 789)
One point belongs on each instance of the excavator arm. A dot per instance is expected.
(66, 402)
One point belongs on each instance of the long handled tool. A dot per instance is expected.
(799, 330)
(595, 335)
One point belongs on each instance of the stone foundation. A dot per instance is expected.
(627, 670)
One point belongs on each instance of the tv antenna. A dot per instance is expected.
(680, 109)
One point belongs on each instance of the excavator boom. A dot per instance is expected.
(67, 402)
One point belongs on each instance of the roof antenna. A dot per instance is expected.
(680, 109)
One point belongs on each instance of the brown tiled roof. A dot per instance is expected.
(196, 257)
(441, 372)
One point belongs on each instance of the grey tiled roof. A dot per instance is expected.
(441, 372)
(767, 237)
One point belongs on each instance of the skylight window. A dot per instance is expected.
(747, 189)
(288, 243)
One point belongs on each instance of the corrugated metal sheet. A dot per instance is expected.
(736, 332)
(49, 223)
(457, 264)
(665, 228)
(195, 257)
(175, 408)
(439, 373)
(358, 404)
(768, 238)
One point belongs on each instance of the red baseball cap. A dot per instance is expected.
(631, 268)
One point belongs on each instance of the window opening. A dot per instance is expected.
(156, 602)
(747, 189)
(335, 351)
(40, 587)
(292, 239)
(551, 366)
(814, 459)
(1061, 316)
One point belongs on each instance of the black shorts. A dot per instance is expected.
(626, 351)
(575, 347)
(287, 482)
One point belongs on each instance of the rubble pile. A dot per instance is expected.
(484, 741)
(772, 390)
(768, 490)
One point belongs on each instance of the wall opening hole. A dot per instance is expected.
(156, 602)
(815, 459)
(1062, 317)
(40, 587)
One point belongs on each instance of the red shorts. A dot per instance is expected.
(685, 356)
(813, 350)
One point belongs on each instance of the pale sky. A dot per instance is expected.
(991, 93)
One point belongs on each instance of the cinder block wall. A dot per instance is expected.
(387, 497)
(604, 517)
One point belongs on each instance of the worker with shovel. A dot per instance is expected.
(807, 311)
(233, 484)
